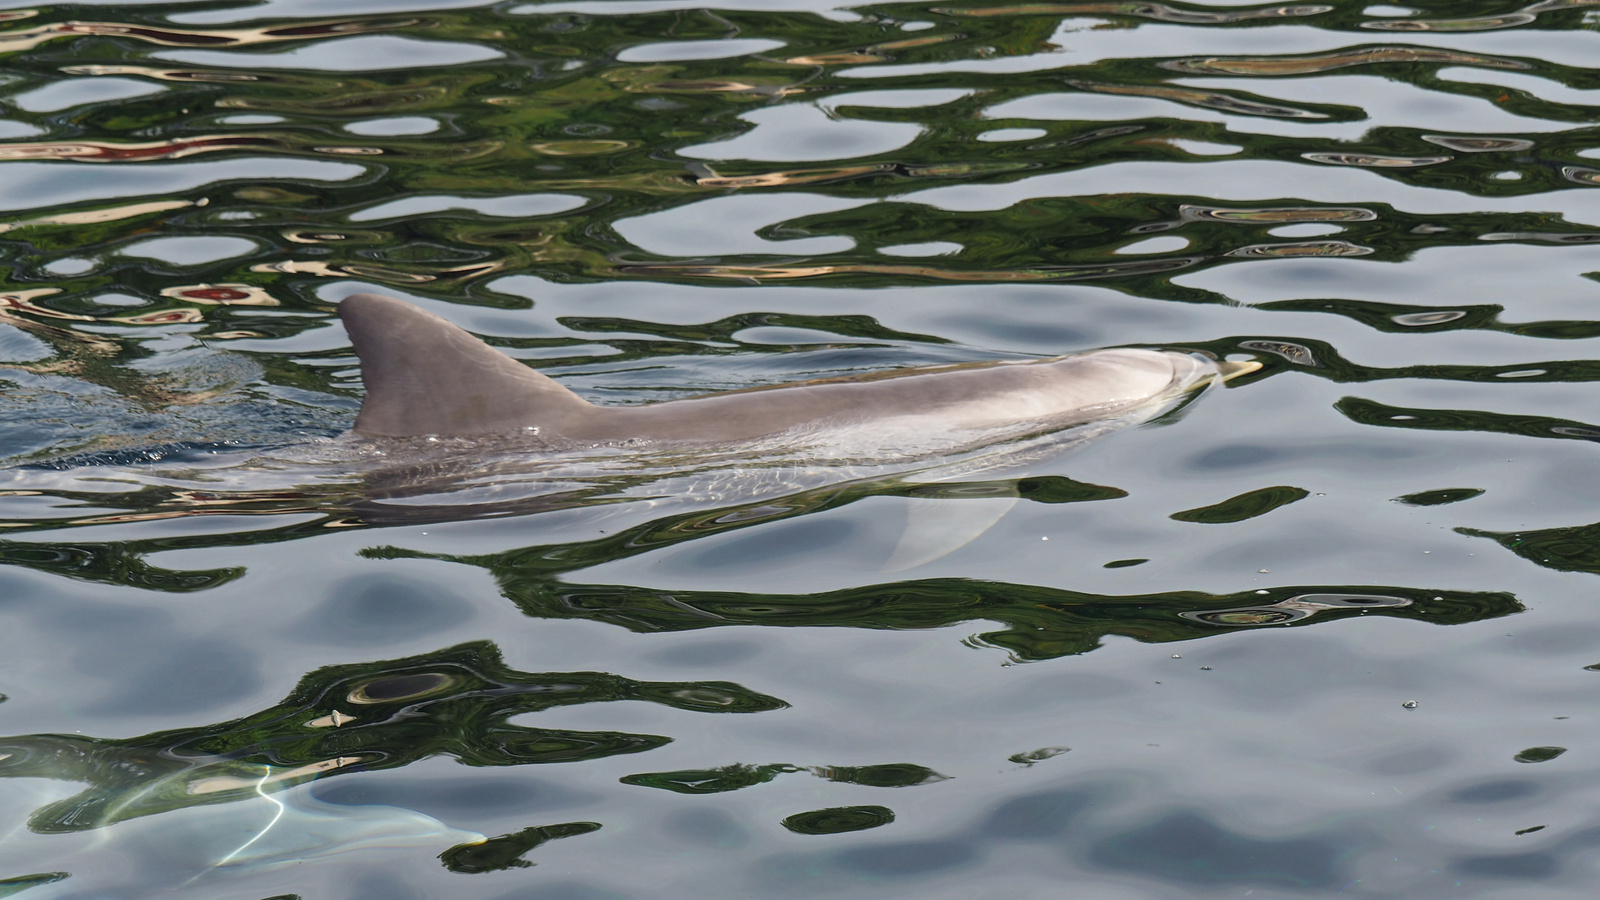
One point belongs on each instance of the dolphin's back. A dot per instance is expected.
(425, 376)
(980, 396)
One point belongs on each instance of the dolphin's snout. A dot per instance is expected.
(1227, 370)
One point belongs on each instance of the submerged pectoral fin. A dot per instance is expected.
(424, 375)
(938, 525)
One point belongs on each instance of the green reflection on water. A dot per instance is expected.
(736, 777)
(505, 852)
(839, 819)
(456, 702)
(1042, 622)
(1248, 505)
(1567, 549)
(21, 883)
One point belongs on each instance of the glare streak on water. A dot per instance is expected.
(357, 54)
(35, 185)
(519, 206)
(807, 133)
(730, 225)
(77, 92)
(680, 51)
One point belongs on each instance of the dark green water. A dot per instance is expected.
(1330, 630)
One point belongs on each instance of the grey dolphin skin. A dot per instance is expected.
(425, 376)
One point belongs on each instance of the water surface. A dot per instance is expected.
(1328, 630)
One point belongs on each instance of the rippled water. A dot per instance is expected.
(1331, 629)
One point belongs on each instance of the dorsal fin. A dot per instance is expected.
(426, 376)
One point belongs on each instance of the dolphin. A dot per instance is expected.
(452, 429)
(424, 376)
(427, 378)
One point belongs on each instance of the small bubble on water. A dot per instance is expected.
(1409, 704)
(1262, 571)
(1177, 656)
